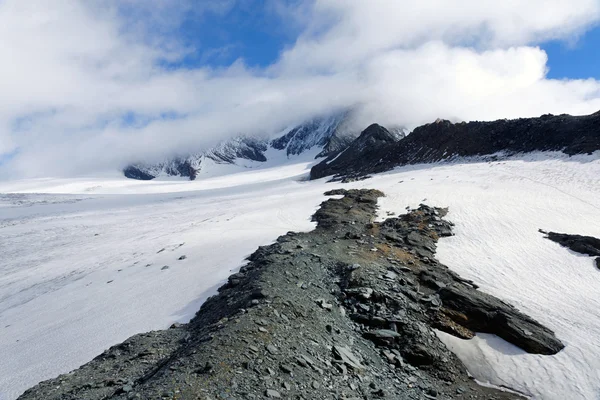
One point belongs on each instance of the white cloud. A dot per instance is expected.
(73, 69)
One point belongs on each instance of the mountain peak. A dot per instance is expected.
(378, 133)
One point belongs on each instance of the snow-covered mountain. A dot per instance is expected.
(329, 134)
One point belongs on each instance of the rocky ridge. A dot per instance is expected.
(347, 311)
(444, 140)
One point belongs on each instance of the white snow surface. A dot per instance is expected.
(62, 241)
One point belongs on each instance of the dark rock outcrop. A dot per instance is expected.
(134, 172)
(444, 140)
(345, 311)
(480, 312)
(587, 245)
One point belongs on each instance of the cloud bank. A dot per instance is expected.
(89, 86)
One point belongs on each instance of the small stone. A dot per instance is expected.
(344, 354)
(390, 276)
(301, 362)
(274, 394)
(259, 294)
(315, 385)
(164, 268)
(353, 267)
(182, 258)
(286, 368)
(272, 349)
(324, 304)
(364, 307)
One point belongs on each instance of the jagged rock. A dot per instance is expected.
(344, 354)
(580, 244)
(383, 336)
(487, 314)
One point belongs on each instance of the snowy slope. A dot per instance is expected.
(57, 309)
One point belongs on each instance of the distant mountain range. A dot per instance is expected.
(349, 152)
(328, 135)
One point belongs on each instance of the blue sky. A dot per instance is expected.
(251, 30)
(257, 35)
(578, 60)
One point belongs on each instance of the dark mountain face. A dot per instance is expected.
(225, 153)
(371, 142)
(443, 140)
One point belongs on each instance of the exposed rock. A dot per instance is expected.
(481, 312)
(580, 244)
(344, 354)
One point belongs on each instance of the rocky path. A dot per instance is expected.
(347, 311)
